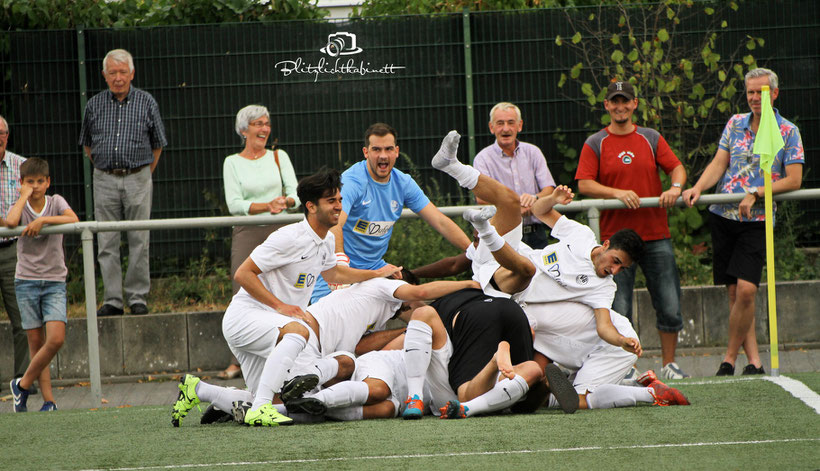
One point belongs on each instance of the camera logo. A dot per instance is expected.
(341, 44)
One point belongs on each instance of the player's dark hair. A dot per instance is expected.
(381, 130)
(320, 185)
(629, 241)
(409, 277)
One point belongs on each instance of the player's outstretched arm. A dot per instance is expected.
(543, 208)
(608, 332)
(432, 290)
(344, 275)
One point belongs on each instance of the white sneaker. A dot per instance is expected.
(673, 371)
(631, 378)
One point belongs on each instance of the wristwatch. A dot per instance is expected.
(752, 190)
(676, 185)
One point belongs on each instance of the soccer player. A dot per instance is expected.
(577, 272)
(264, 323)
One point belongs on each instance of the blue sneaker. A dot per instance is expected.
(20, 396)
(48, 406)
(414, 408)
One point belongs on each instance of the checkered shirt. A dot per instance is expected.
(9, 183)
(122, 134)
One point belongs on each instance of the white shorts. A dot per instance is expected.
(388, 366)
(251, 331)
(577, 347)
(484, 265)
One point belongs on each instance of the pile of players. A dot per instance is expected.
(481, 346)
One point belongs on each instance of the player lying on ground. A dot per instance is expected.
(575, 272)
(337, 323)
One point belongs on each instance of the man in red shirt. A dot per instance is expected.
(621, 161)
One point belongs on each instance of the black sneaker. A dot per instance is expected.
(139, 309)
(307, 405)
(109, 310)
(725, 369)
(296, 387)
(562, 389)
(753, 370)
(212, 415)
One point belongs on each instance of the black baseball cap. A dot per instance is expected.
(625, 89)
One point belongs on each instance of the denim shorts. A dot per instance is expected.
(40, 301)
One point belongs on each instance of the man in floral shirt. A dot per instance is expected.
(738, 231)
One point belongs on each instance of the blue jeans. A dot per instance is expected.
(662, 280)
(40, 301)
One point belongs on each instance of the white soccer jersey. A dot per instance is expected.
(291, 259)
(565, 270)
(345, 315)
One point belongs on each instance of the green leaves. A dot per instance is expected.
(576, 38)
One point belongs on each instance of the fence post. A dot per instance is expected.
(468, 82)
(594, 223)
(90, 284)
(89, 207)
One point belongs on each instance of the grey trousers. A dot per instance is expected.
(8, 265)
(126, 198)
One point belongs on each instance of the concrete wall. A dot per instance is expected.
(193, 341)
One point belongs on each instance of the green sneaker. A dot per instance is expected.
(266, 416)
(187, 399)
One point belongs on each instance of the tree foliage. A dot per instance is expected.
(682, 81)
(422, 7)
(65, 14)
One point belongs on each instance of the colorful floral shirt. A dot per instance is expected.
(744, 166)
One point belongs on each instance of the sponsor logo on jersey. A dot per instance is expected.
(550, 258)
(304, 280)
(553, 268)
(372, 228)
(626, 157)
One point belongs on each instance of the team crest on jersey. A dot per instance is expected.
(304, 280)
(372, 228)
(626, 157)
(582, 279)
(395, 206)
(550, 258)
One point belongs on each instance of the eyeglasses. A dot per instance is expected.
(259, 124)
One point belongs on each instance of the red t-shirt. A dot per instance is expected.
(628, 162)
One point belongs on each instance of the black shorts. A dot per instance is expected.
(738, 250)
(483, 321)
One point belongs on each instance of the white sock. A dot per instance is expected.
(281, 408)
(327, 368)
(480, 219)
(607, 396)
(277, 367)
(504, 394)
(221, 397)
(344, 394)
(346, 413)
(418, 347)
(446, 161)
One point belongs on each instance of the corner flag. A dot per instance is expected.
(768, 141)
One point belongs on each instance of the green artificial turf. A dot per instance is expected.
(731, 424)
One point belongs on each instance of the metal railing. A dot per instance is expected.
(88, 229)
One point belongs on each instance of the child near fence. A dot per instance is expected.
(39, 280)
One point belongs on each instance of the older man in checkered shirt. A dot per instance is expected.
(9, 194)
(123, 135)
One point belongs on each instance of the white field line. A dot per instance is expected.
(798, 390)
(792, 386)
(449, 455)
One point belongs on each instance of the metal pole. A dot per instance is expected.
(91, 317)
(594, 216)
(468, 78)
(89, 207)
